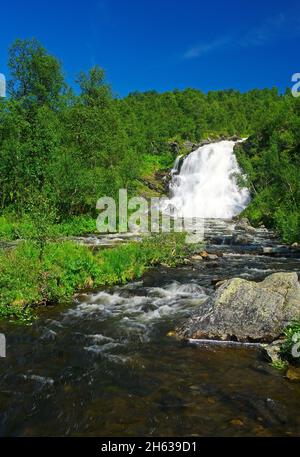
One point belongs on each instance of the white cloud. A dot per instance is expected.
(205, 48)
(272, 29)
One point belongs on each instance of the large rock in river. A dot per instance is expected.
(246, 310)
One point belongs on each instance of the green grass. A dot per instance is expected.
(28, 281)
(12, 228)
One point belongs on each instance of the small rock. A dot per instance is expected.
(245, 225)
(203, 254)
(212, 257)
(197, 257)
(48, 335)
(237, 422)
(251, 230)
(295, 245)
(273, 350)
(245, 220)
(293, 373)
(241, 239)
(187, 261)
(267, 250)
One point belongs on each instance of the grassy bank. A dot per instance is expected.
(13, 228)
(28, 280)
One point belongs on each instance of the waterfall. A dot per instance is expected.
(176, 165)
(206, 185)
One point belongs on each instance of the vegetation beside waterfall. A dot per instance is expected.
(271, 161)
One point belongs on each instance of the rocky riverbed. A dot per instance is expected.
(106, 366)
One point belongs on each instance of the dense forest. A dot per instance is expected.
(61, 150)
(271, 160)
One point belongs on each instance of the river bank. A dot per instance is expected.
(29, 279)
(108, 352)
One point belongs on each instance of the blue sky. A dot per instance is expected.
(164, 44)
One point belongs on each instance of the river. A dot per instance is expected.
(105, 366)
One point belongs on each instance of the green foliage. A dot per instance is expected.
(76, 226)
(151, 119)
(19, 277)
(7, 231)
(288, 224)
(16, 313)
(26, 278)
(94, 89)
(280, 365)
(13, 228)
(42, 216)
(36, 75)
(68, 150)
(66, 267)
(292, 337)
(271, 160)
(153, 163)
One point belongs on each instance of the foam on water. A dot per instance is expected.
(135, 314)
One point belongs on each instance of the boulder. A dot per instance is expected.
(242, 223)
(273, 350)
(203, 254)
(189, 146)
(268, 250)
(244, 310)
(245, 225)
(293, 373)
(212, 257)
(241, 239)
(197, 258)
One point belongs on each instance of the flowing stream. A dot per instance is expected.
(105, 366)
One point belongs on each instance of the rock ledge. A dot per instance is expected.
(242, 310)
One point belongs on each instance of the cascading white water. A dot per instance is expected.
(206, 185)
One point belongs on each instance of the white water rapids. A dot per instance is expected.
(206, 186)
